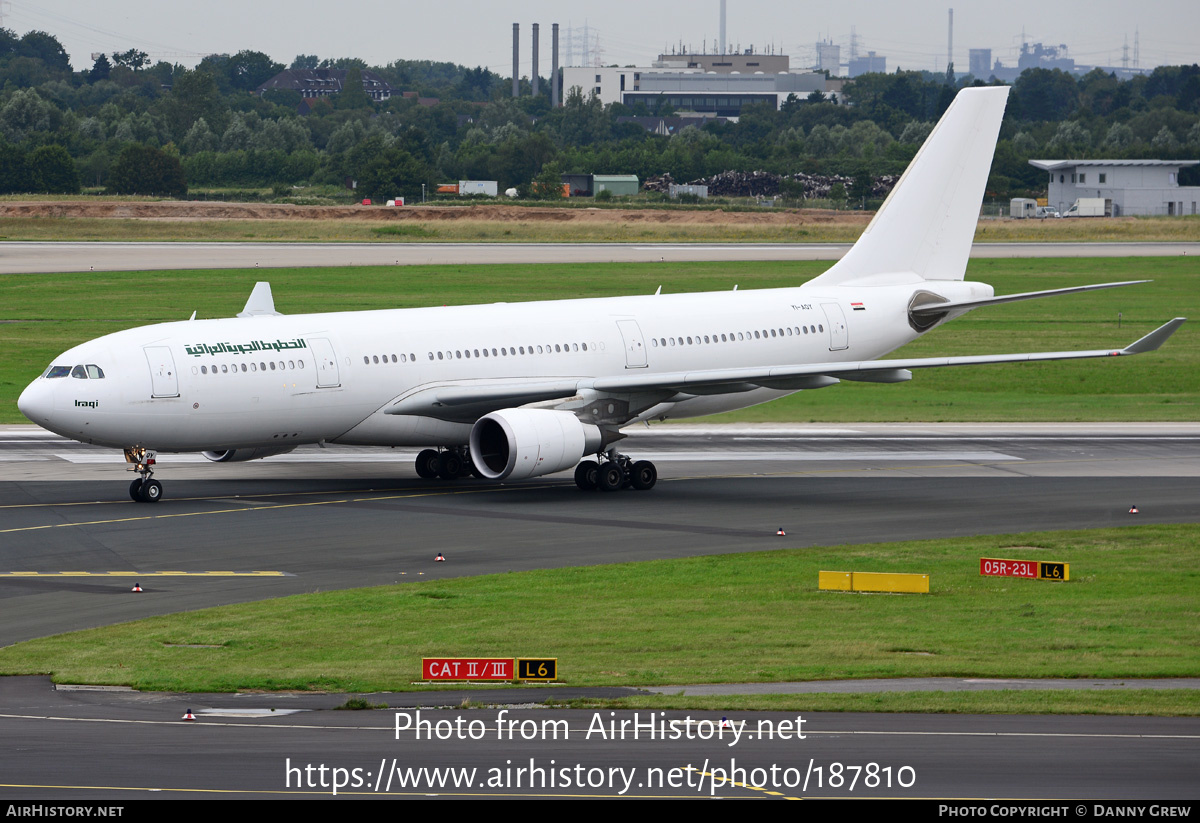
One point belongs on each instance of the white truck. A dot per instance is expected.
(1089, 207)
(487, 187)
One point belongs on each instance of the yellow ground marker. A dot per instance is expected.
(873, 582)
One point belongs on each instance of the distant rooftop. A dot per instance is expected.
(1054, 165)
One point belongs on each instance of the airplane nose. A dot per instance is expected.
(36, 402)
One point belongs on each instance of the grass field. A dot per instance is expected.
(1129, 610)
(41, 315)
(643, 227)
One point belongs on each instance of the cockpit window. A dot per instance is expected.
(79, 372)
(58, 371)
(95, 372)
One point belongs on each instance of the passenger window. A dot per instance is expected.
(204, 369)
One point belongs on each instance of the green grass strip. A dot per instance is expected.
(1129, 610)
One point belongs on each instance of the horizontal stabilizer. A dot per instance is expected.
(933, 309)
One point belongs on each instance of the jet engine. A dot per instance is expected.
(513, 444)
(242, 455)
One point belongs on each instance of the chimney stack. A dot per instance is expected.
(516, 54)
(533, 77)
(554, 81)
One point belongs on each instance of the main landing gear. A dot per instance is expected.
(617, 471)
(144, 489)
(449, 464)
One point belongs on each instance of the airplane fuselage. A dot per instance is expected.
(280, 381)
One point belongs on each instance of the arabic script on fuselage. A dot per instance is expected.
(201, 349)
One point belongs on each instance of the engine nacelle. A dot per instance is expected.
(242, 455)
(513, 444)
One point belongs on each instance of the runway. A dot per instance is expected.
(32, 257)
(341, 518)
(115, 746)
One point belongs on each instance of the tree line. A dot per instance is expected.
(127, 124)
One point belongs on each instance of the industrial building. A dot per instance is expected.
(746, 62)
(1129, 187)
(871, 64)
(692, 89)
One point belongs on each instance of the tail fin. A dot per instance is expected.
(927, 224)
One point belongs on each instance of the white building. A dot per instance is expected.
(694, 90)
(1133, 187)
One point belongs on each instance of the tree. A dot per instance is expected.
(45, 47)
(100, 69)
(386, 172)
(146, 170)
(547, 185)
(194, 95)
(353, 96)
(305, 61)
(837, 193)
(14, 173)
(52, 171)
(1046, 94)
(250, 69)
(133, 59)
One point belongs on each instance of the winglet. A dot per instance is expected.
(1155, 338)
(260, 303)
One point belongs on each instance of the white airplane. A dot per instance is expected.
(517, 391)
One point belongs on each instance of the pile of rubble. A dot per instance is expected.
(766, 184)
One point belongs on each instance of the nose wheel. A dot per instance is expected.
(144, 489)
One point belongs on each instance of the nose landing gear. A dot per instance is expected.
(144, 489)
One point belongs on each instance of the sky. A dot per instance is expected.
(912, 34)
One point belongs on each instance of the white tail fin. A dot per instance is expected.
(927, 224)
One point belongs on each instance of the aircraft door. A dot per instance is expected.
(328, 376)
(635, 345)
(164, 380)
(839, 335)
